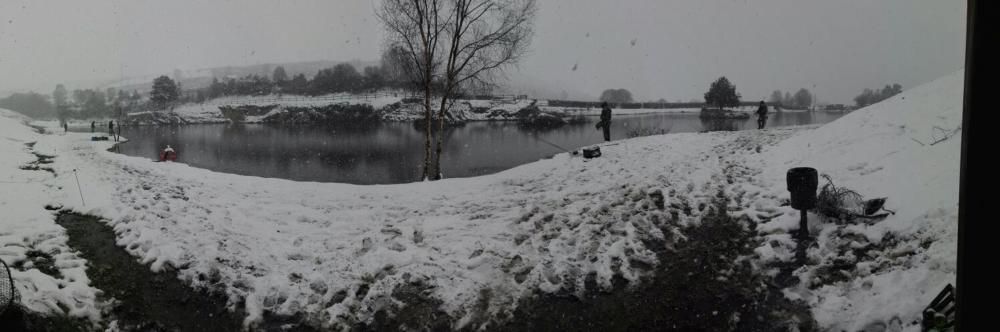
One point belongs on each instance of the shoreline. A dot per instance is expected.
(83, 123)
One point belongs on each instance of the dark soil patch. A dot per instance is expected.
(700, 286)
(17, 319)
(144, 300)
(419, 312)
(41, 261)
(43, 158)
(40, 159)
(33, 167)
(336, 113)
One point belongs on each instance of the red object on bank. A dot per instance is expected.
(168, 154)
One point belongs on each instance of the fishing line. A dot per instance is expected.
(552, 144)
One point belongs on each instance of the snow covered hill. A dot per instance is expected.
(906, 148)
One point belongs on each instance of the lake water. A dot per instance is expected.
(393, 152)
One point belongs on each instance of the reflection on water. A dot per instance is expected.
(393, 152)
(724, 124)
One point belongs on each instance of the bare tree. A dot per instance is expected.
(484, 37)
(395, 65)
(458, 43)
(415, 26)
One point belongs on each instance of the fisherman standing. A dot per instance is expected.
(93, 126)
(761, 115)
(111, 128)
(605, 122)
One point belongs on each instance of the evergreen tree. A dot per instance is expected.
(165, 91)
(722, 93)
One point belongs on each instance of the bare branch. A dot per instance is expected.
(452, 43)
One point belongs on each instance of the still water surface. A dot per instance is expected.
(393, 152)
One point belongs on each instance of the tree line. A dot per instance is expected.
(392, 72)
(869, 96)
(721, 93)
(802, 99)
(343, 77)
(77, 104)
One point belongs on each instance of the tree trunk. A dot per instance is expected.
(440, 138)
(428, 118)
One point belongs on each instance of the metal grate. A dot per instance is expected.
(8, 295)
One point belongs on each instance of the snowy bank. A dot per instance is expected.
(339, 253)
(49, 276)
(259, 109)
(888, 150)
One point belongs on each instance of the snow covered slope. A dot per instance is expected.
(906, 148)
(338, 253)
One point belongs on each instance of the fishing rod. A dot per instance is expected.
(554, 145)
(79, 188)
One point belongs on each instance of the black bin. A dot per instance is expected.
(802, 183)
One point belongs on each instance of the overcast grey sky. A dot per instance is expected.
(654, 48)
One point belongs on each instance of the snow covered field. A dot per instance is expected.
(338, 253)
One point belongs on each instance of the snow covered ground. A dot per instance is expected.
(291, 247)
(338, 253)
(884, 150)
(50, 277)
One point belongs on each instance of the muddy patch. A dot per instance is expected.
(40, 260)
(140, 299)
(705, 284)
(40, 163)
(18, 319)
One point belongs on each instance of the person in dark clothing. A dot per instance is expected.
(111, 128)
(605, 122)
(761, 115)
(65, 127)
(93, 126)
